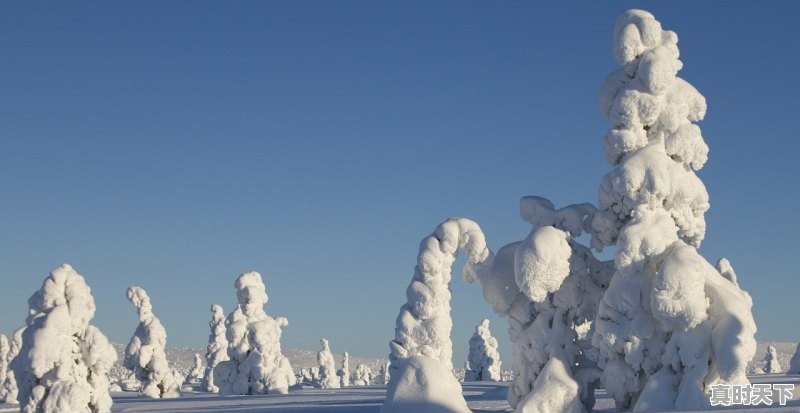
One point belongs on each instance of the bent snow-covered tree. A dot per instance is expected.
(771, 364)
(549, 286)
(145, 354)
(217, 350)
(327, 368)
(483, 359)
(670, 324)
(422, 348)
(256, 364)
(63, 362)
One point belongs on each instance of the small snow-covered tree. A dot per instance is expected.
(483, 358)
(549, 286)
(670, 325)
(344, 373)
(8, 388)
(384, 373)
(5, 348)
(196, 374)
(771, 364)
(794, 363)
(327, 369)
(363, 375)
(145, 354)
(63, 361)
(217, 350)
(256, 364)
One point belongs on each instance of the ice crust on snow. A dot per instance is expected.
(62, 361)
(217, 349)
(145, 354)
(483, 359)
(255, 363)
(670, 325)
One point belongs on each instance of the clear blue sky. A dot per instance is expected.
(175, 145)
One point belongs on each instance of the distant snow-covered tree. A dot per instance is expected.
(196, 374)
(217, 350)
(5, 348)
(383, 375)
(670, 325)
(771, 364)
(145, 354)
(363, 375)
(256, 364)
(344, 373)
(794, 363)
(327, 369)
(483, 358)
(8, 388)
(63, 361)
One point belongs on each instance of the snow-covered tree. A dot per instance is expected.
(145, 354)
(794, 363)
(9, 389)
(63, 361)
(196, 374)
(327, 370)
(344, 373)
(549, 286)
(771, 364)
(670, 325)
(422, 346)
(5, 348)
(217, 350)
(256, 364)
(363, 375)
(384, 373)
(483, 358)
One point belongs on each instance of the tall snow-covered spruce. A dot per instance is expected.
(327, 367)
(145, 354)
(422, 351)
(344, 373)
(63, 361)
(670, 324)
(256, 364)
(217, 350)
(483, 358)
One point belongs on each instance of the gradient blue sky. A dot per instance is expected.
(175, 145)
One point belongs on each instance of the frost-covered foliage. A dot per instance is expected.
(670, 324)
(424, 323)
(327, 370)
(549, 286)
(483, 360)
(145, 354)
(256, 364)
(363, 375)
(9, 389)
(794, 363)
(217, 350)
(771, 364)
(63, 361)
(344, 373)
(421, 384)
(5, 348)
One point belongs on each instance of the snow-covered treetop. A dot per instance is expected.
(64, 286)
(139, 298)
(654, 141)
(251, 293)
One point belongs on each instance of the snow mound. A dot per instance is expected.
(422, 384)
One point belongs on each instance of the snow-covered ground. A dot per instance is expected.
(481, 397)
